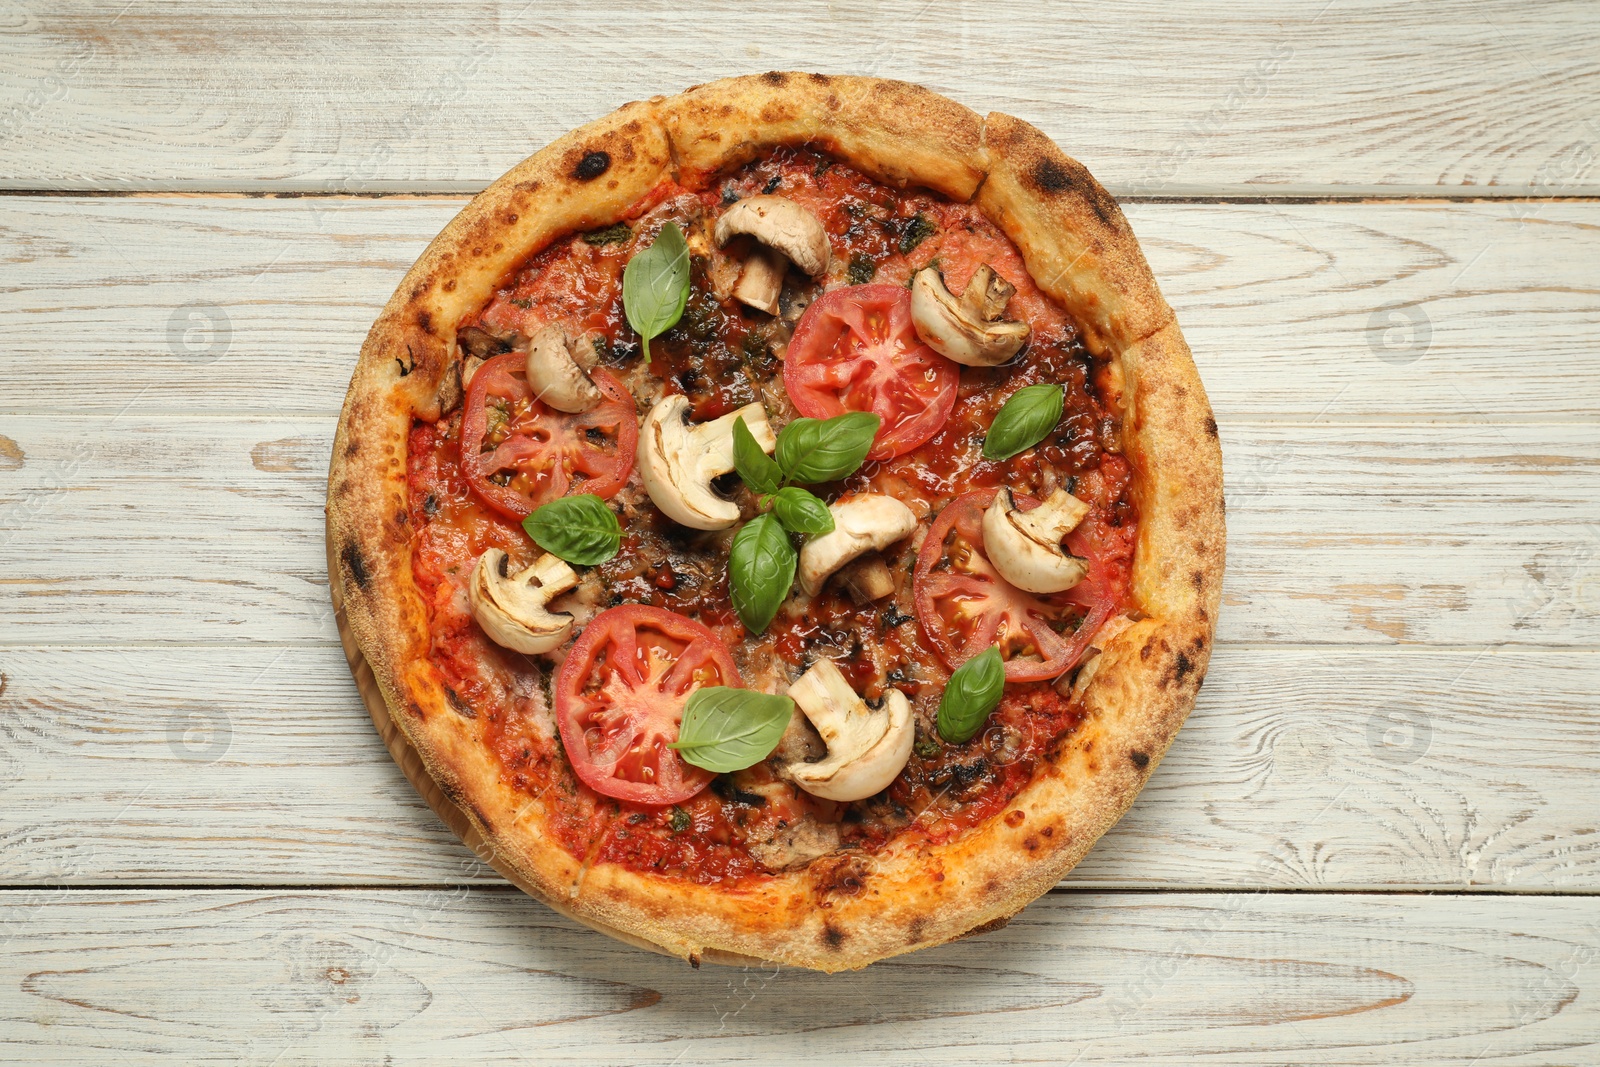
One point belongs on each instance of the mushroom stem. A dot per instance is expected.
(761, 281)
(867, 579)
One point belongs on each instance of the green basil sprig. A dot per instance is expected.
(761, 563)
(973, 692)
(801, 512)
(762, 560)
(726, 729)
(825, 450)
(580, 529)
(1025, 420)
(655, 285)
(759, 471)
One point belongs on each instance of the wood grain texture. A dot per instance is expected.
(209, 529)
(488, 976)
(1298, 97)
(1467, 311)
(1300, 768)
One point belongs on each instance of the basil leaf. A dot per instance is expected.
(825, 450)
(1027, 418)
(726, 729)
(758, 469)
(579, 529)
(973, 692)
(655, 285)
(801, 512)
(761, 564)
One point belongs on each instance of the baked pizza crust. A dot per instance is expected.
(845, 910)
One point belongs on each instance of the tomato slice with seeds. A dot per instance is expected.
(964, 605)
(620, 697)
(518, 453)
(855, 349)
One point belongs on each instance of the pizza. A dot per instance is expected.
(784, 518)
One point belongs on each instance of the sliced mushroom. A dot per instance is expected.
(786, 232)
(867, 747)
(1025, 546)
(514, 609)
(861, 524)
(558, 370)
(968, 330)
(678, 460)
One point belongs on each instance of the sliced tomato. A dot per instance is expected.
(517, 453)
(855, 349)
(964, 605)
(620, 697)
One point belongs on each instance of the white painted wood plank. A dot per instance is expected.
(1300, 768)
(1304, 96)
(1331, 311)
(490, 977)
(186, 529)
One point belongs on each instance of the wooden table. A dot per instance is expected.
(1378, 839)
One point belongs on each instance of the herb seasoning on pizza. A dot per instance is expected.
(784, 518)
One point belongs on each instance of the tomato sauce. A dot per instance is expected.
(721, 356)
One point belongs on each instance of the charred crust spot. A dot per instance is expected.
(694, 960)
(1051, 176)
(591, 166)
(1148, 650)
(833, 937)
(416, 711)
(1054, 178)
(459, 704)
(775, 78)
(821, 79)
(356, 565)
(915, 930)
(449, 285)
(1198, 580)
(1211, 426)
(1030, 843)
(1014, 818)
(425, 322)
(1048, 832)
(1139, 759)
(1182, 668)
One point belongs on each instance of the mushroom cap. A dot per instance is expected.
(513, 610)
(554, 373)
(780, 224)
(862, 523)
(678, 460)
(967, 330)
(867, 747)
(1025, 546)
